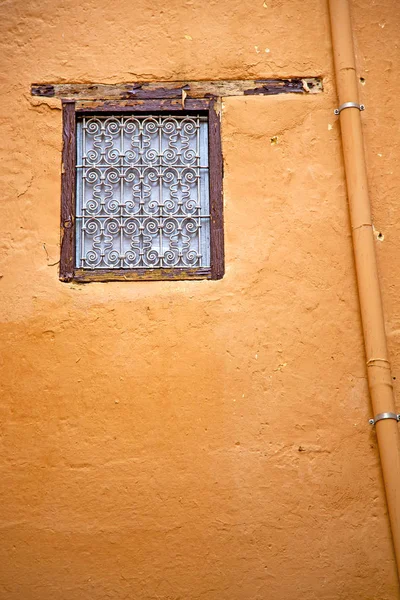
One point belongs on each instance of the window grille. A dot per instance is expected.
(142, 192)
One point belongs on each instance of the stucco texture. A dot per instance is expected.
(201, 439)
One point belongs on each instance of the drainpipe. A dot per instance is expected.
(378, 365)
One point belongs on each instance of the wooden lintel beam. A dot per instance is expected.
(175, 89)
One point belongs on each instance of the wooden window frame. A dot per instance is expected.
(70, 110)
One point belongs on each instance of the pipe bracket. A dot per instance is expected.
(360, 107)
(382, 416)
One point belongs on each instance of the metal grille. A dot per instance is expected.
(142, 197)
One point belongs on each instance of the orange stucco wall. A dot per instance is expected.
(197, 440)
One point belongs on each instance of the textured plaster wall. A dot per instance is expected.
(197, 440)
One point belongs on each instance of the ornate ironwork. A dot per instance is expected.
(142, 192)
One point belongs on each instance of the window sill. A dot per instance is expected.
(103, 275)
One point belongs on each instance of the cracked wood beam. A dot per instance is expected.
(175, 89)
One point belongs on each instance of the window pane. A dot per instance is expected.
(142, 192)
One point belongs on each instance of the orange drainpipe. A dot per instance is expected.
(378, 365)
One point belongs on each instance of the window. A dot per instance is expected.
(141, 191)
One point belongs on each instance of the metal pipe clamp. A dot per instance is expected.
(382, 416)
(337, 111)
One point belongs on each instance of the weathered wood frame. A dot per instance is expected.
(70, 110)
(145, 90)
